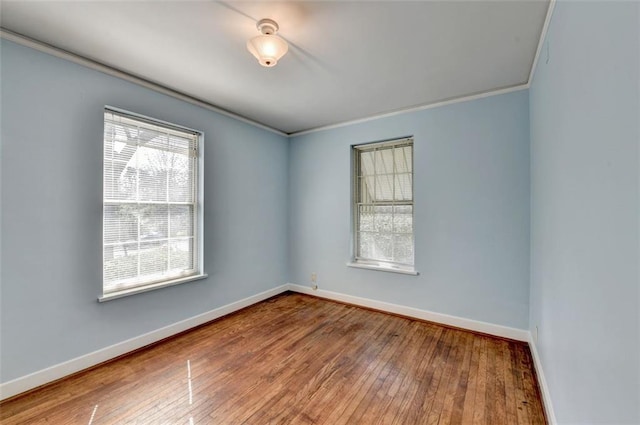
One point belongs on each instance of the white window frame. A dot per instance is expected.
(198, 220)
(356, 202)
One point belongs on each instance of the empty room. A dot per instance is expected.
(320, 212)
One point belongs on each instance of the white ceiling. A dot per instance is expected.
(347, 60)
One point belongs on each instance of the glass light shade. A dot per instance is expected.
(268, 49)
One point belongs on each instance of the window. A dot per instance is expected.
(383, 205)
(151, 209)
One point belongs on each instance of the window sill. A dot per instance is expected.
(126, 292)
(382, 268)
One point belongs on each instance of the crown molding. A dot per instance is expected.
(525, 86)
(543, 36)
(101, 67)
(118, 73)
(422, 107)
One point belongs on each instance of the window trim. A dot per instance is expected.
(150, 287)
(382, 266)
(199, 218)
(366, 263)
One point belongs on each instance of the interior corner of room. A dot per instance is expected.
(525, 207)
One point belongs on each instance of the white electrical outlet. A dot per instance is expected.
(314, 278)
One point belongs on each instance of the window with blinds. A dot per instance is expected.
(150, 210)
(383, 204)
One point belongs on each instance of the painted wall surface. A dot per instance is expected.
(52, 123)
(471, 190)
(584, 106)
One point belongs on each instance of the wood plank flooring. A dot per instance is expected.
(296, 359)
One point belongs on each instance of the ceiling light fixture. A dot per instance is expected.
(268, 48)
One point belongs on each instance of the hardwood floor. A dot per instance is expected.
(296, 359)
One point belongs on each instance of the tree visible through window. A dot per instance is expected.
(150, 211)
(383, 204)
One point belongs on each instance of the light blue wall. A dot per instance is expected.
(471, 165)
(52, 204)
(585, 209)
(277, 210)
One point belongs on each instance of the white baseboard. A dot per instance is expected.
(542, 383)
(445, 319)
(44, 376)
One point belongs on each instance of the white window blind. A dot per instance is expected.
(383, 204)
(150, 211)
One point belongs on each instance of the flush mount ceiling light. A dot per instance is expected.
(268, 48)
